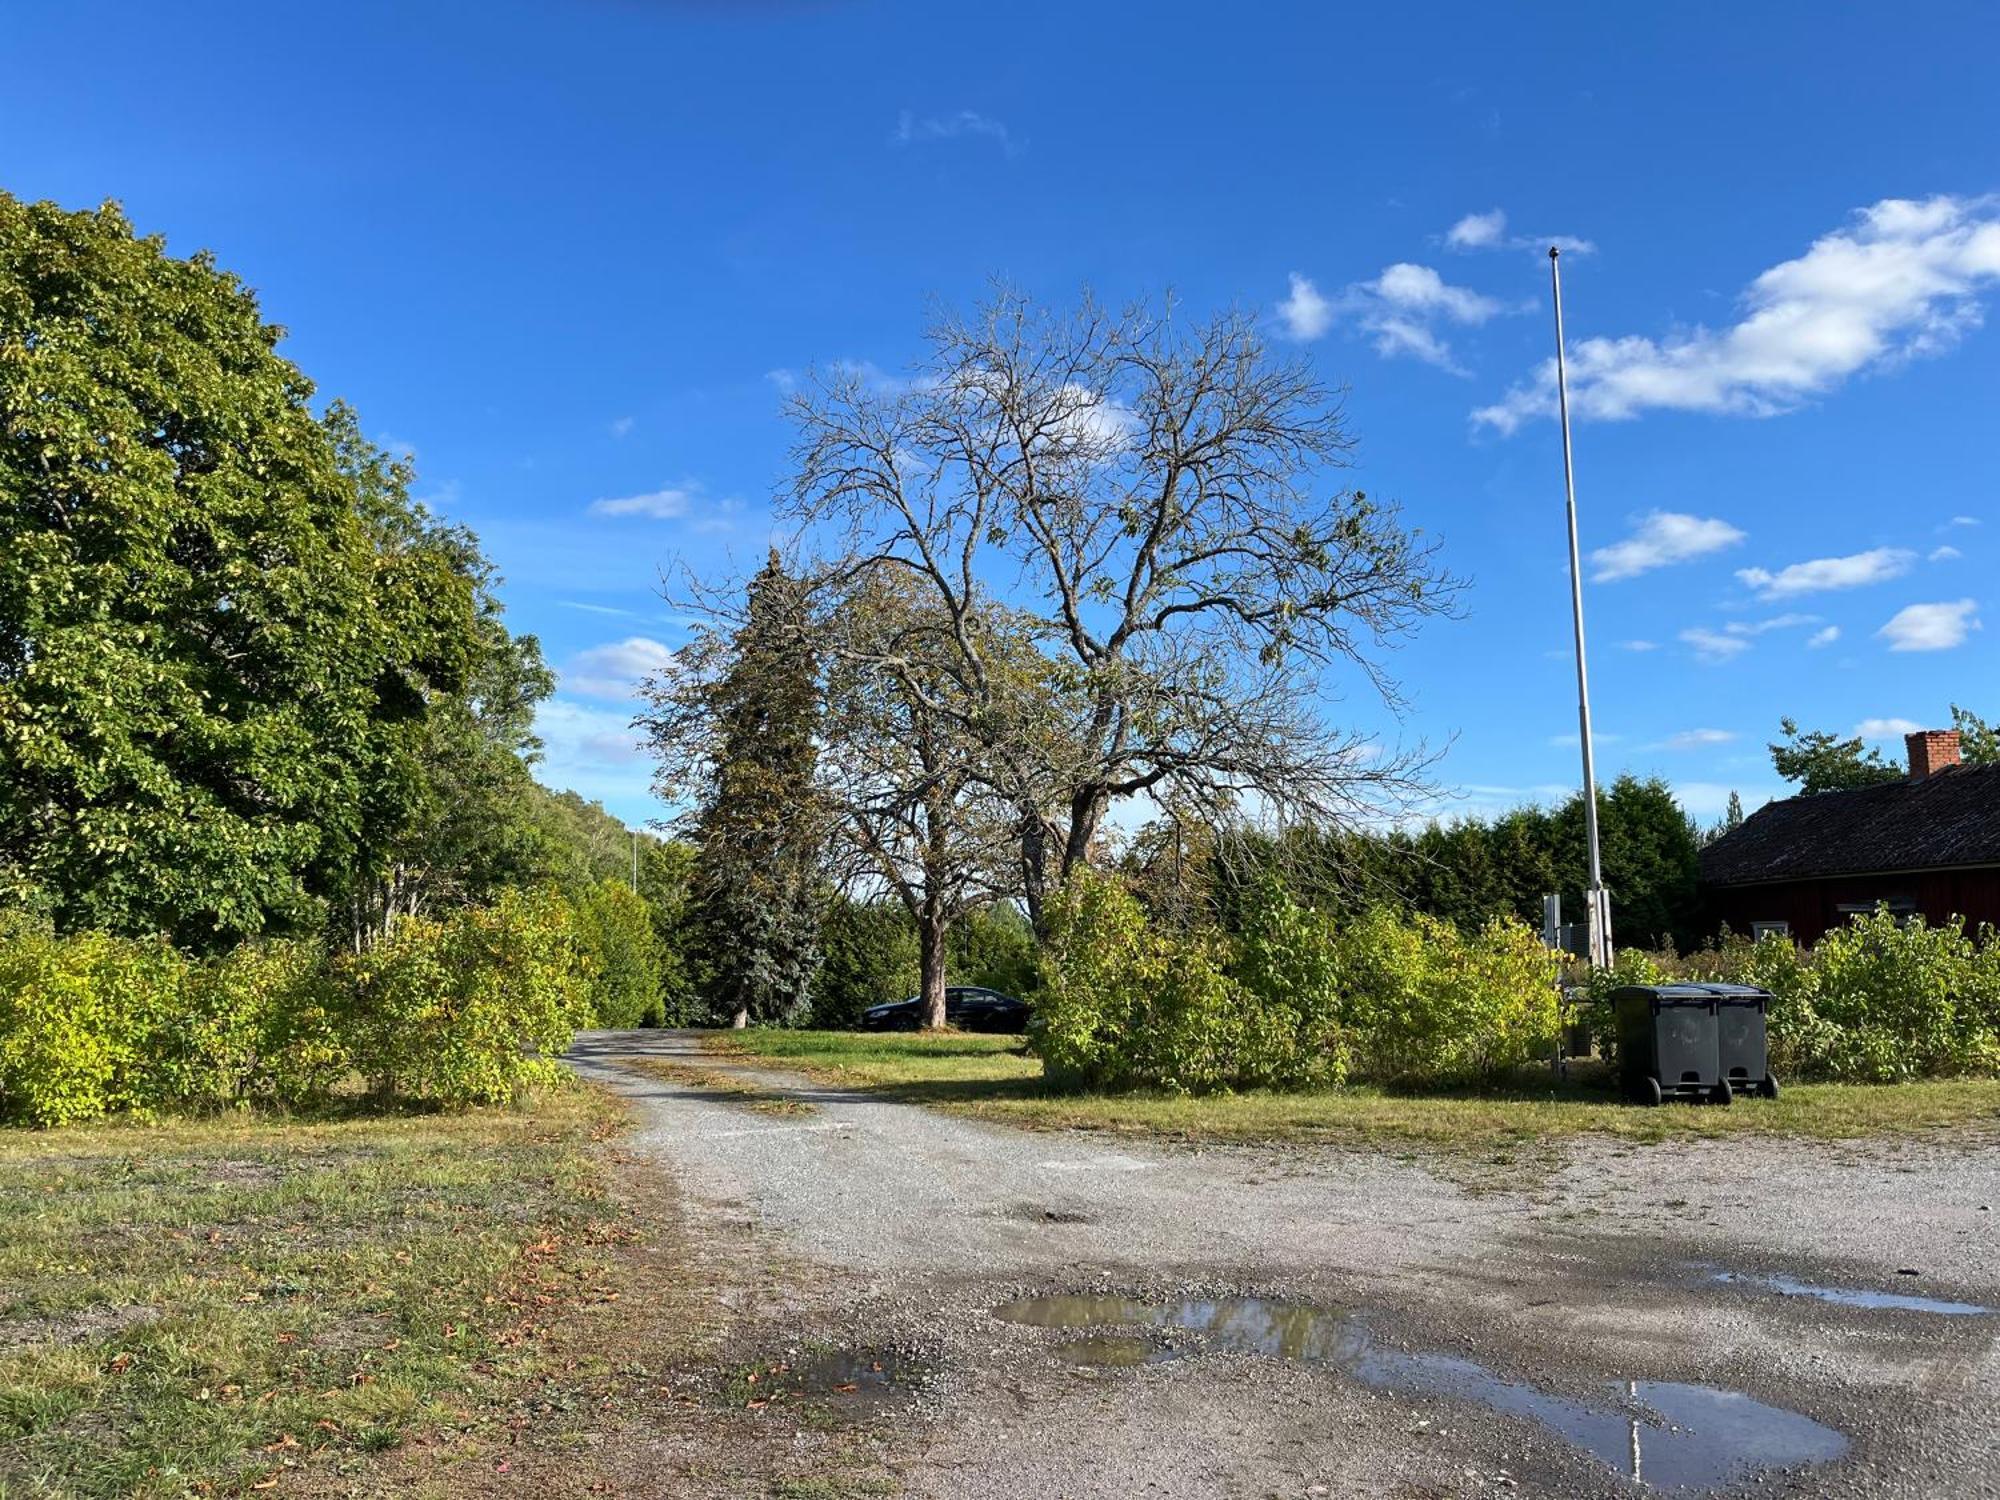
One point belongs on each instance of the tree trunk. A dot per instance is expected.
(930, 959)
(1035, 872)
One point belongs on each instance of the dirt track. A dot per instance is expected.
(1428, 1328)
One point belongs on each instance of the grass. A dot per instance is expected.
(208, 1307)
(724, 1084)
(994, 1078)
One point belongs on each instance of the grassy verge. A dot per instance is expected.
(215, 1307)
(994, 1078)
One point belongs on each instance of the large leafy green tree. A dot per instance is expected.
(206, 632)
(733, 724)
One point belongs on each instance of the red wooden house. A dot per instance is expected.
(1928, 845)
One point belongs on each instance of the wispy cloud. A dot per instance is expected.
(1900, 282)
(1715, 645)
(615, 669)
(1663, 537)
(1961, 521)
(1640, 645)
(621, 427)
(671, 502)
(1402, 311)
(1886, 729)
(1488, 231)
(1824, 574)
(1931, 627)
(600, 609)
(1944, 554)
(913, 129)
(1696, 739)
(594, 752)
(1823, 638)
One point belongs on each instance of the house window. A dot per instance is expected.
(1770, 929)
(1902, 911)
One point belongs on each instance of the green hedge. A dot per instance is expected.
(466, 1009)
(1292, 1000)
(1877, 1001)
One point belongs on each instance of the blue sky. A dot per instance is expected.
(564, 251)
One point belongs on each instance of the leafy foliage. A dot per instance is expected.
(205, 635)
(615, 934)
(1880, 1000)
(464, 1010)
(1823, 762)
(1294, 1000)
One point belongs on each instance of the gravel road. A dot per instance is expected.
(1321, 1321)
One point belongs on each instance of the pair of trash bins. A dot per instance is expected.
(1693, 1041)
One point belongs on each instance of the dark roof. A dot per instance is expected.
(1948, 819)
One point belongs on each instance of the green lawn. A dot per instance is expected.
(205, 1307)
(994, 1078)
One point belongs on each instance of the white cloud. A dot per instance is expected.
(1697, 739)
(621, 427)
(1776, 622)
(784, 380)
(912, 129)
(615, 669)
(1400, 308)
(594, 752)
(668, 504)
(1963, 521)
(1640, 645)
(1824, 637)
(1708, 800)
(1877, 565)
(1886, 729)
(1305, 312)
(1663, 537)
(1477, 231)
(1898, 283)
(1931, 627)
(600, 609)
(1715, 645)
(1488, 231)
(1944, 554)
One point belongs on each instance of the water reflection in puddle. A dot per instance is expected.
(1669, 1436)
(1791, 1286)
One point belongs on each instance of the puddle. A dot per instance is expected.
(1667, 1435)
(1791, 1286)
(1112, 1351)
(830, 1375)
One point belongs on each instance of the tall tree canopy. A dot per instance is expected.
(733, 723)
(1823, 762)
(1154, 491)
(208, 624)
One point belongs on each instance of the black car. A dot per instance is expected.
(966, 1007)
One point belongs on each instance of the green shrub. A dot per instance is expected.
(471, 1008)
(79, 1021)
(1880, 1000)
(1297, 1000)
(1426, 1005)
(614, 931)
(1123, 1004)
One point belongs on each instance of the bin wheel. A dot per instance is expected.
(1724, 1094)
(1648, 1091)
(1769, 1087)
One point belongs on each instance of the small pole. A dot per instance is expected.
(1598, 908)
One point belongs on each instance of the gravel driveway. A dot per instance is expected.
(1266, 1321)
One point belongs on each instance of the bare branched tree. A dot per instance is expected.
(1151, 497)
(914, 807)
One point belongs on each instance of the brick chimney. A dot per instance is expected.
(1931, 751)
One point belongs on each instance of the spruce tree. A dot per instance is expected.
(759, 841)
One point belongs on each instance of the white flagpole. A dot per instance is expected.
(1598, 905)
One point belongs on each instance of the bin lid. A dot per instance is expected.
(1689, 993)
